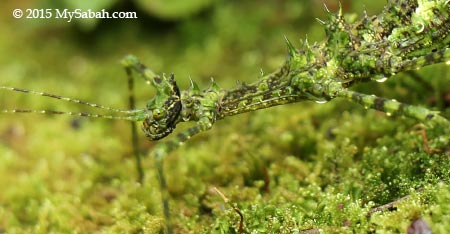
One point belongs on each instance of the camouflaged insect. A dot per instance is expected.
(407, 35)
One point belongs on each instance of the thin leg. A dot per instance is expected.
(394, 107)
(161, 151)
(433, 58)
(130, 62)
(134, 136)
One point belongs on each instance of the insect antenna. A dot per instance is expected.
(130, 115)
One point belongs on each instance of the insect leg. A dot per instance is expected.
(131, 62)
(394, 107)
(429, 59)
(162, 150)
(134, 136)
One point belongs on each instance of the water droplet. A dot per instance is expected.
(381, 80)
(366, 107)
(448, 62)
(421, 28)
(321, 101)
(388, 113)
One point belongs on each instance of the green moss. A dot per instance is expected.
(289, 168)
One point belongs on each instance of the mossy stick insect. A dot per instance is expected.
(407, 35)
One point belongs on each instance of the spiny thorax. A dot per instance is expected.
(198, 103)
(354, 50)
(304, 76)
(297, 80)
(403, 33)
(271, 90)
(378, 46)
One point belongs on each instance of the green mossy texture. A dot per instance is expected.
(304, 166)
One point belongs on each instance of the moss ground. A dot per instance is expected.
(292, 168)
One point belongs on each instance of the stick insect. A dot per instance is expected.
(406, 35)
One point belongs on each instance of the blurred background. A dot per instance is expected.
(227, 40)
(69, 174)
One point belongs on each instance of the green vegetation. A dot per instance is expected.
(289, 168)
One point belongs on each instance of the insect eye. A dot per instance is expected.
(158, 114)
